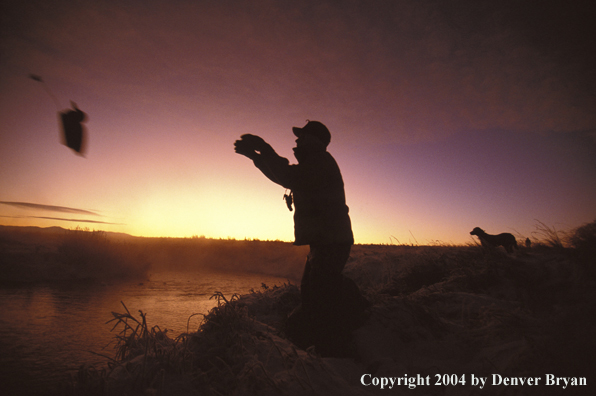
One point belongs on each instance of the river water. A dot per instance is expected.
(48, 332)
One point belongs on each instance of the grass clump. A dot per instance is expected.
(216, 359)
(549, 236)
(143, 356)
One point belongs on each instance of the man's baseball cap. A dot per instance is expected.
(316, 129)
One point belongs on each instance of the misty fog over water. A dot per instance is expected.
(47, 332)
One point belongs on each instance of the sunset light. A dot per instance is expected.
(291, 197)
(439, 124)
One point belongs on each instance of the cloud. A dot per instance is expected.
(73, 220)
(50, 208)
(61, 219)
(58, 209)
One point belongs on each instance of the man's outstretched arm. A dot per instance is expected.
(276, 168)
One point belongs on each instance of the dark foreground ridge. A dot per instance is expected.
(444, 320)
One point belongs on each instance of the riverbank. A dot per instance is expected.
(455, 315)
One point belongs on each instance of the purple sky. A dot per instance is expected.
(444, 115)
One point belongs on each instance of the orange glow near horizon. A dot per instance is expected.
(433, 134)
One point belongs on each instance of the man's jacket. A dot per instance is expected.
(321, 215)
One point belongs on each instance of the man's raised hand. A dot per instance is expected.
(250, 145)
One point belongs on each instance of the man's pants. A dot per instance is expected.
(322, 281)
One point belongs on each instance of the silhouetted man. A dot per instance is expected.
(330, 301)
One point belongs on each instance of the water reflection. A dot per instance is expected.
(48, 331)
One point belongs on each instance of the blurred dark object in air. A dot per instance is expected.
(36, 77)
(73, 130)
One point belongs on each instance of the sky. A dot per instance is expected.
(444, 115)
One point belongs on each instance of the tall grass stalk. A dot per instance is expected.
(549, 236)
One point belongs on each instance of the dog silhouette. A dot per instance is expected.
(505, 239)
